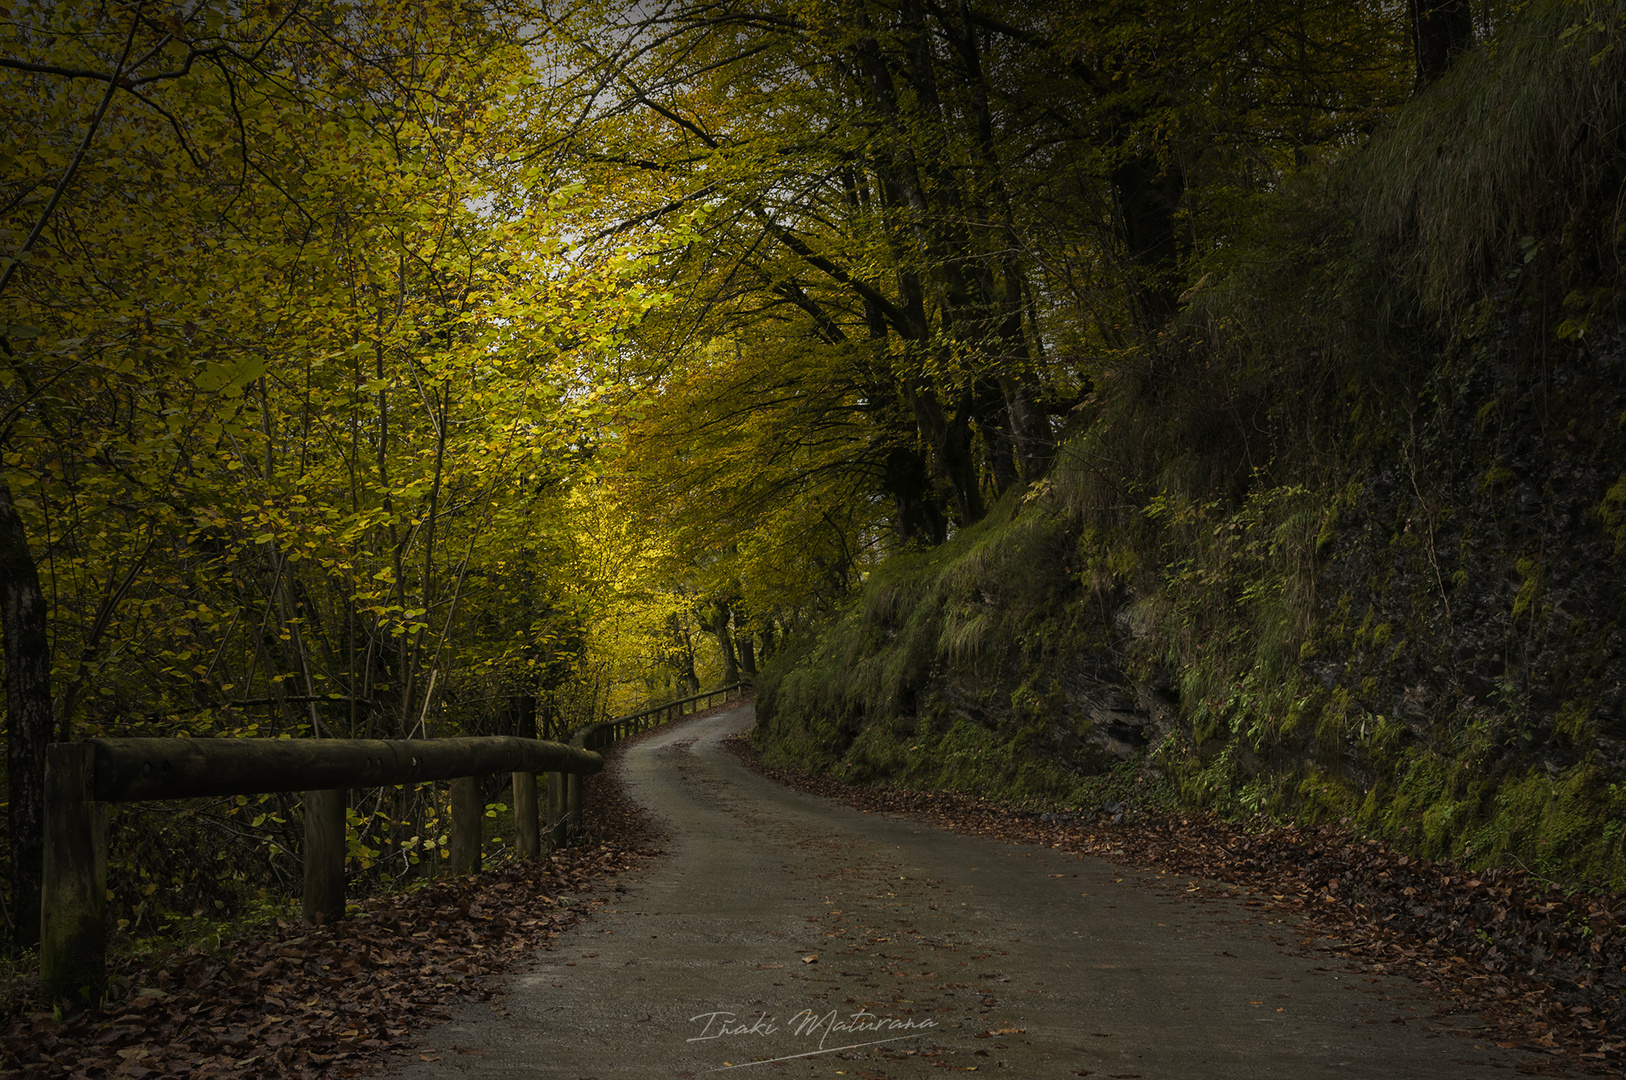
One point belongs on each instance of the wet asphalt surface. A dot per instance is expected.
(785, 935)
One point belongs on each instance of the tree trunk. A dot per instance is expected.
(686, 674)
(719, 627)
(917, 515)
(23, 616)
(522, 715)
(1030, 424)
(1148, 193)
(994, 422)
(950, 440)
(1440, 30)
(1030, 427)
(748, 655)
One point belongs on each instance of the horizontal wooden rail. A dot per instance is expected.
(82, 778)
(131, 769)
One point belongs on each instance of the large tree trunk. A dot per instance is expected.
(994, 422)
(1148, 194)
(1440, 30)
(901, 166)
(917, 515)
(522, 715)
(950, 440)
(1030, 426)
(685, 644)
(720, 615)
(28, 717)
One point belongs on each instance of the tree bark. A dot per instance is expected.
(1440, 30)
(950, 440)
(1030, 426)
(23, 617)
(719, 627)
(917, 514)
(994, 421)
(685, 644)
(522, 715)
(1148, 194)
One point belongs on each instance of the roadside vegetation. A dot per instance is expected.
(1178, 401)
(1338, 544)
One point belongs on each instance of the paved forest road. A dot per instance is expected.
(1017, 961)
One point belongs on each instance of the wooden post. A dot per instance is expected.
(573, 805)
(325, 849)
(73, 896)
(468, 813)
(527, 839)
(557, 837)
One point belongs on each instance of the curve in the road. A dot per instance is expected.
(781, 931)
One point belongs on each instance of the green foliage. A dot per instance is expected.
(295, 381)
(1564, 828)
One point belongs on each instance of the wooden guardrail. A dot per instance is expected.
(606, 732)
(82, 778)
(603, 733)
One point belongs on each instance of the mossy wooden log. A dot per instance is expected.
(130, 769)
(325, 849)
(81, 778)
(73, 900)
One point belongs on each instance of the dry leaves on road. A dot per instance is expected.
(1546, 969)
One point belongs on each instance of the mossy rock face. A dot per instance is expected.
(1470, 624)
(986, 668)
(1460, 687)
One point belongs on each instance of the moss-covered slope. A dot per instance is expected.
(1349, 541)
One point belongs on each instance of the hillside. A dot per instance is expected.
(1344, 543)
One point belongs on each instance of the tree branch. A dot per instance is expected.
(79, 156)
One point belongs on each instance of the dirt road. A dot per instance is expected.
(783, 935)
